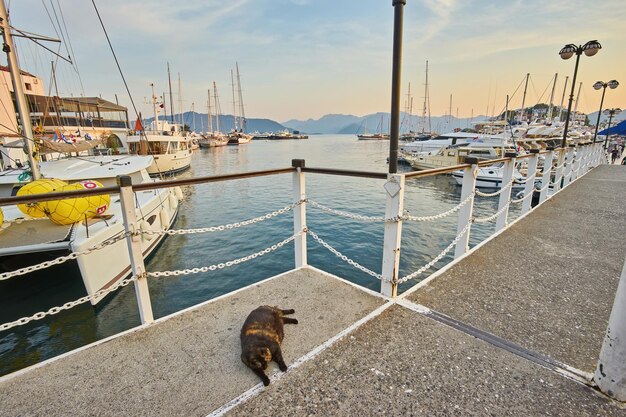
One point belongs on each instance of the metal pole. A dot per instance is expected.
(299, 213)
(465, 214)
(571, 99)
(612, 364)
(608, 130)
(595, 134)
(20, 98)
(127, 199)
(396, 74)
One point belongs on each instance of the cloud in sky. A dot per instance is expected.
(303, 59)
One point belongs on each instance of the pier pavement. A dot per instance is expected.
(515, 328)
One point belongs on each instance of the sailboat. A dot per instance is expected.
(423, 133)
(213, 138)
(238, 136)
(374, 136)
(26, 236)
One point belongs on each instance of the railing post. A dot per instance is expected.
(547, 174)
(465, 214)
(299, 213)
(611, 371)
(505, 195)
(577, 163)
(560, 169)
(394, 208)
(529, 187)
(127, 200)
(569, 159)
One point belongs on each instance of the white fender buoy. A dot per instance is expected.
(178, 192)
(173, 201)
(165, 218)
(145, 227)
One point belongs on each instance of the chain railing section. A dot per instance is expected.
(496, 193)
(63, 259)
(344, 213)
(440, 215)
(229, 226)
(493, 216)
(54, 310)
(226, 264)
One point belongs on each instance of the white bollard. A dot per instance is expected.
(547, 173)
(127, 200)
(394, 208)
(299, 213)
(611, 371)
(505, 195)
(465, 214)
(529, 187)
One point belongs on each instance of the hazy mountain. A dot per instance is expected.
(618, 117)
(349, 124)
(226, 123)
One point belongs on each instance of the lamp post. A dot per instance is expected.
(611, 113)
(590, 49)
(602, 85)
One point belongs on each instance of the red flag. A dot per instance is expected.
(138, 125)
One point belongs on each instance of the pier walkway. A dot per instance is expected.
(515, 328)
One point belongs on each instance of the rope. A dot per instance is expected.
(500, 191)
(490, 218)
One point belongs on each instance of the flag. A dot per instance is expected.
(138, 125)
(87, 137)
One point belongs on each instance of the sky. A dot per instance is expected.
(301, 59)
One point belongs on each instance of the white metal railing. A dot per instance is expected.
(568, 170)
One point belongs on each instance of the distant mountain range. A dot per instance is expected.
(349, 124)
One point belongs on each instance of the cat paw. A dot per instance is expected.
(266, 382)
(283, 367)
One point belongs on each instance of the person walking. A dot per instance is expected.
(614, 155)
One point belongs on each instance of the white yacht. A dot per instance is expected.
(434, 145)
(169, 145)
(23, 236)
(454, 155)
(491, 177)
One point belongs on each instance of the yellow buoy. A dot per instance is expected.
(72, 210)
(40, 186)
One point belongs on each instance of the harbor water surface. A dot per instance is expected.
(222, 203)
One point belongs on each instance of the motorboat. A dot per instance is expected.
(491, 177)
(455, 155)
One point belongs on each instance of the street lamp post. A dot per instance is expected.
(602, 85)
(611, 113)
(590, 49)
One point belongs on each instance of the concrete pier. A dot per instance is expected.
(515, 328)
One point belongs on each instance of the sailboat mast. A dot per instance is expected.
(232, 84)
(154, 108)
(549, 118)
(217, 107)
(180, 103)
(521, 117)
(450, 113)
(193, 116)
(208, 106)
(425, 102)
(242, 112)
(580, 86)
(20, 98)
(169, 80)
(563, 98)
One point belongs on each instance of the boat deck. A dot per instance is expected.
(19, 235)
(514, 328)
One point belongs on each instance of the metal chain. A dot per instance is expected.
(346, 214)
(490, 218)
(223, 264)
(525, 180)
(440, 215)
(223, 227)
(68, 305)
(62, 259)
(345, 258)
(436, 258)
(480, 193)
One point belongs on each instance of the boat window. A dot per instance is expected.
(463, 153)
(133, 147)
(157, 147)
(151, 219)
(183, 146)
(450, 153)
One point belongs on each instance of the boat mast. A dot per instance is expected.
(193, 116)
(450, 113)
(580, 86)
(425, 103)
(169, 80)
(208, 106)
(20, 98)
(154, 108)
(549, 118)
(217, 107)
(242, 112)
(563, 98)
(521, 118)
(180, 104)
(232, 84)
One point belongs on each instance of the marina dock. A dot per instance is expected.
(513, 328)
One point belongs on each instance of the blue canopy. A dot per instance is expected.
(618, 129)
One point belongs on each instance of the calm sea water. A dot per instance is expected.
(227, 202)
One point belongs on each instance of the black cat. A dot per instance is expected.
(261, 336)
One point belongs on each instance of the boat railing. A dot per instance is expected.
(569, 167)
